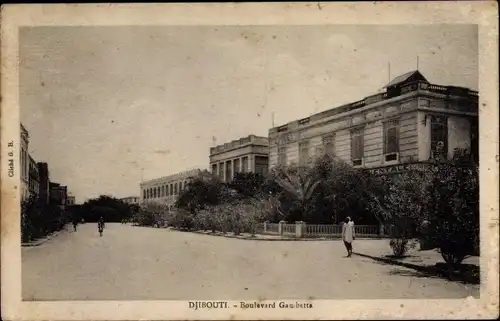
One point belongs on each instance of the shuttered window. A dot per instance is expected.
(357, 148)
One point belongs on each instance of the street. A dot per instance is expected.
(138, 263)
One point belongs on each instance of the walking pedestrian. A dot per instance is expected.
(348, 234)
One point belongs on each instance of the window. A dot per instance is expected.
(154, 192)
(175, 189)
(303, 152)
(439, 136)
(261, 164)
(244, 164)
(214, 169)
(329, 144)
(282, 156)
(357, 150)
(391, 140)
(171, 189)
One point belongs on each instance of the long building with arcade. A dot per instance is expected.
(165, 190)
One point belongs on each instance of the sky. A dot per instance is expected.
(107, 107)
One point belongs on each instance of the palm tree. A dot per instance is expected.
(299, 183)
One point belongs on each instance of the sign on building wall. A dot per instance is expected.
(399, 168)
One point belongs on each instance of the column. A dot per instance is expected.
(231, 174)
(280, 227)
(251, 163)
(241, 164)
(299, 229)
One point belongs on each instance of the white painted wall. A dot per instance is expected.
(424, 136)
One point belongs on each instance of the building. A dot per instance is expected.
(43, 183)
(24, 170)
(58, 194)
(34, 178)
(413, 121)
(70, 200)
(249, 154)
(165, 190)
(131, 199)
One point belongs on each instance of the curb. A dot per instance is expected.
(453, 276)
(41, 241)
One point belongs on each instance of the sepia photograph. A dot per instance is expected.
(249, 166)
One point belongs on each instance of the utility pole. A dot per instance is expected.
(417, 62)
(389, 71)
(272, 119)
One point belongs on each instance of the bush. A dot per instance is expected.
(180, 219)
(144, 218)
(39, 220)
(401, 208)
(401, 246)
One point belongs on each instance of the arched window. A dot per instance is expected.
(171, 189)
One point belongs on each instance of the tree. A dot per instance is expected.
(201, 191)
(453, 208)
(248, 184)
(342, 191)
(110, 208)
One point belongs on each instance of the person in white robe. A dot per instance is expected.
(348, 234)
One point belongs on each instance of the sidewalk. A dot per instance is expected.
(429, 261)
(39, 242)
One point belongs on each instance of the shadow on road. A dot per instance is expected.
(466, 273)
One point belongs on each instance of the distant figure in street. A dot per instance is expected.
(348, 235)
(75, 223)
(100, 225)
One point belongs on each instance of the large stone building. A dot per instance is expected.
(58, 194)
(70, 200)
(25, 163)
(131, 200)
(249, 154)
(408, 123)
(34, 178)
(43, 183)
(165, 190)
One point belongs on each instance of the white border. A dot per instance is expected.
(478, 12)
